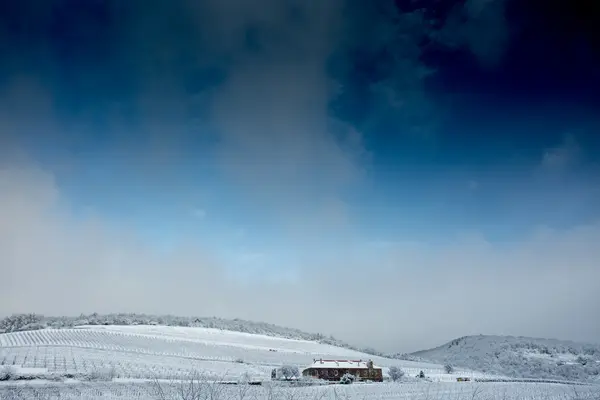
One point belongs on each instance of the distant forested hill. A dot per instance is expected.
(521, 357)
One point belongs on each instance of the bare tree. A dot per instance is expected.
(289, 372)
(195, 387)
(449, 368)
(395, 373)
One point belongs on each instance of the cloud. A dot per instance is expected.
(244, 99)
(566, 155)
(423, 294)
(22, 97)
(246, 86)
(383, 73)
(479, 26)
(277, 138)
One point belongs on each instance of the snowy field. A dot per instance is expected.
(161, 352)
(384, 391)
(126, 362)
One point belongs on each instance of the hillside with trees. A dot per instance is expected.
(519, 357)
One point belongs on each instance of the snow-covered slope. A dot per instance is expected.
(519, 357)
(125, 362)
(147, 352)
(28, 322)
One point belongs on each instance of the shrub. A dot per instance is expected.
(7, 373)
(449, 368)
(102, 374)
(582, 360)
(347, 378)
(395, 373)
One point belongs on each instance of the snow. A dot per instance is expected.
(127, 362)
(432, 391)
(210, 336)
(29, 371)
(519, 357)
(169, 352)
(566, 358)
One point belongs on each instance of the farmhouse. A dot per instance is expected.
(333, 370)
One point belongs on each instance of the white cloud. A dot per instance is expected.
(423, 294)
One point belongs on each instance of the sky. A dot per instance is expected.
(395, 173)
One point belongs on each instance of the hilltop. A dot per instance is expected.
(522, 357)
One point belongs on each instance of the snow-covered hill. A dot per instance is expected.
(521, 357)
(155, 362)
(150, 351)
(27, 322)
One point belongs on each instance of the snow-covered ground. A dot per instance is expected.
(384, 391)
(171, 352)
(123, 362)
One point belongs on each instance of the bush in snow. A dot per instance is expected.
(289, 372)
(312, 381)
(347, 378)
(582, 360)
(7, 373)
(449, 368)
(395, 373)
(102, 374)
(369, 350)
(21, 322)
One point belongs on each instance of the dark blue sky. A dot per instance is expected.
(283, 133)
